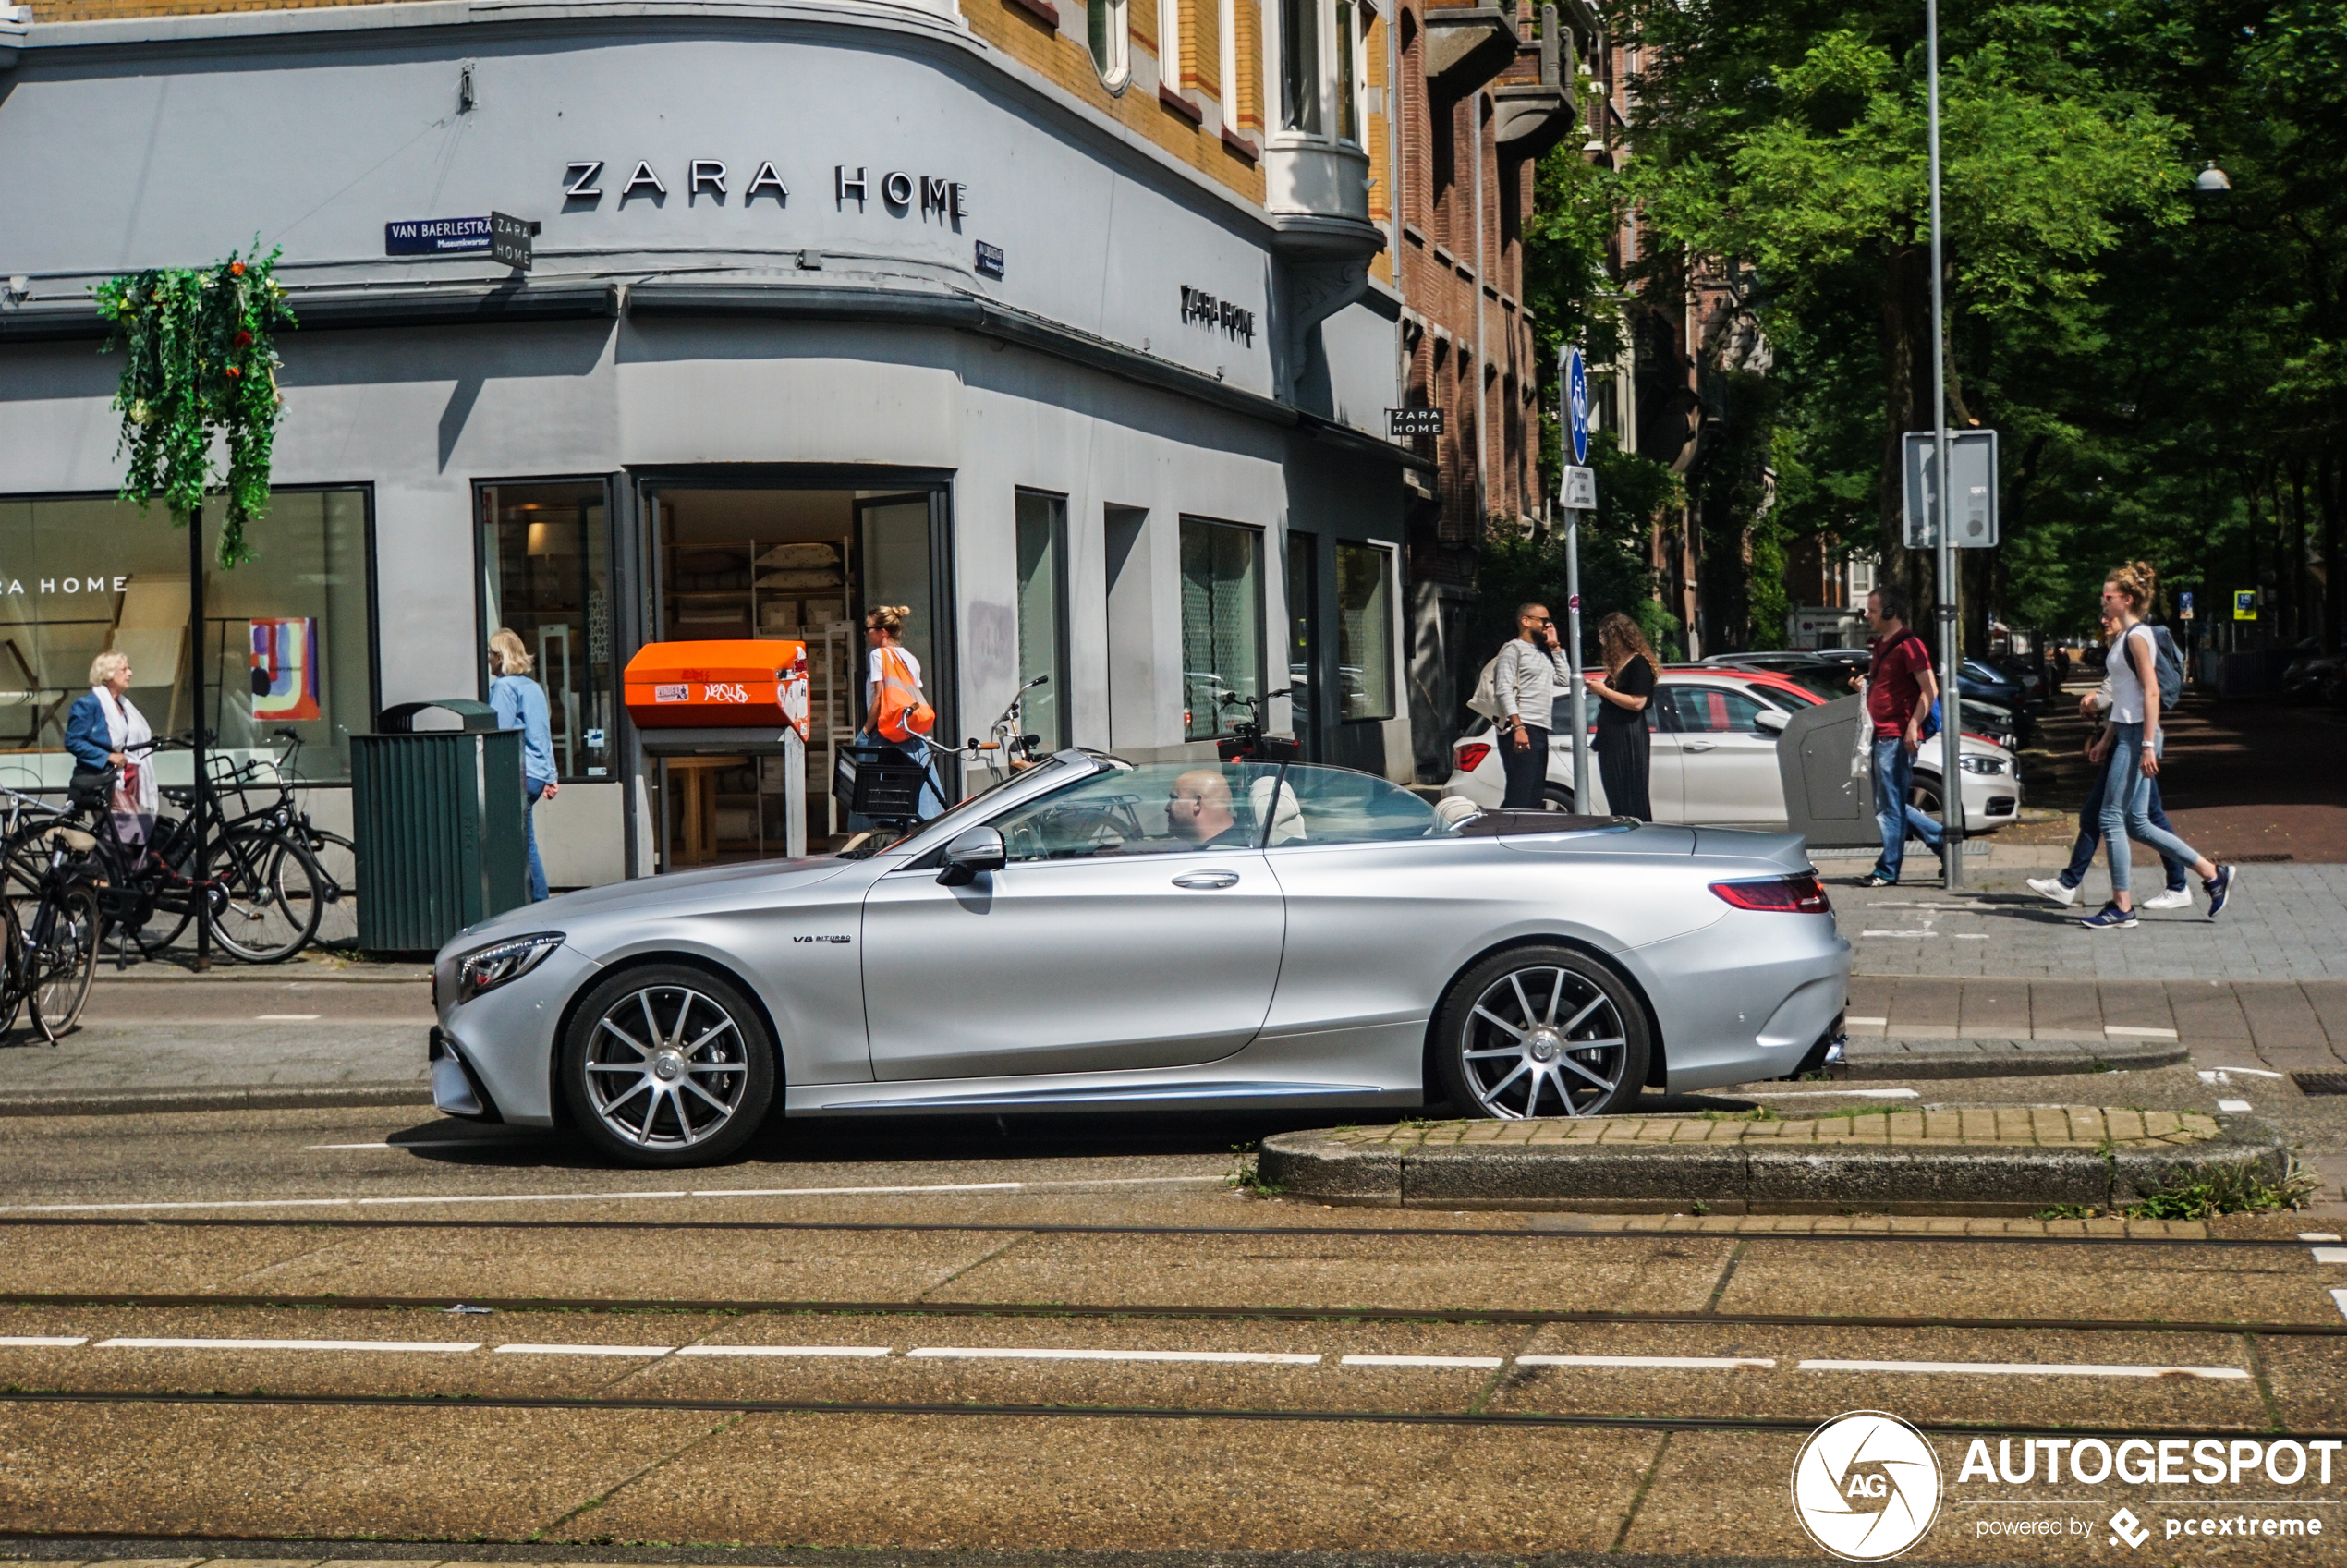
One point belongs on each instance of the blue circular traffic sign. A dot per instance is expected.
(1576, 399)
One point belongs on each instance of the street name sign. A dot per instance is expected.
(437, 236)
(1972, 488)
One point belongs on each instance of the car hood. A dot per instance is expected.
(653, 893)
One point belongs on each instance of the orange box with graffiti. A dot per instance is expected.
(711, 686)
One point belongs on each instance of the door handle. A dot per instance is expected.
(1207, 879)
(1701, 745)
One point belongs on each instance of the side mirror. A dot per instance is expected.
(1772, 720)
(980, 849)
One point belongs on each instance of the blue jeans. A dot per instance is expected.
(1894, 771)
(533, 788)
(2081, 854)
(2126, 809)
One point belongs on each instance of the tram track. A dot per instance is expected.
(1529, 1317)
(975, 1227)
(707, 1405)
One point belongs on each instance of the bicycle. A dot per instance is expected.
(261, 884)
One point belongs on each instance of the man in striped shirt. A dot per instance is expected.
(1531, 675)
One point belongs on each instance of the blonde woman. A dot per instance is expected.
(522, 705)
(2129, 746)
(894, 705)
(104, 729)
(1624, 748)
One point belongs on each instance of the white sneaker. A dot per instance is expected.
(2051, 887)
(2170, 898)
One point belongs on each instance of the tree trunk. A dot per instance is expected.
(1908, 405)
(2334, 591)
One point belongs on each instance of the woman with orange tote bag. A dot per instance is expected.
(896, 711)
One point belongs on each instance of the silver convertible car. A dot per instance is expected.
(1092, 934)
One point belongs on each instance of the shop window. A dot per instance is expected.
(1348, 108)
(284, 644)
(1221, 624)
(1105, 31)
(1042, 614)
(1365, 630)
(545, 568)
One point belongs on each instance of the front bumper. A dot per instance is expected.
(455, 1089)
(506, 1040)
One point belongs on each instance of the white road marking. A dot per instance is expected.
(2339, 1299)
(2026, 1368)
(285, 1017)
(966, 1353)
(424, 1143)
(239, 1203)
(586, 1350)
(443, 1347)
(2319, 1236)
(1816, 1093)
(1972, 936)
(1696, 1363)
(1870, 1023)
(2216, 1074)
(2232, 1105)
(858, 1349)
(38, 1341)
(1917, 935)
(1482, 1361)
(2331, 1254)
(2133, 1031)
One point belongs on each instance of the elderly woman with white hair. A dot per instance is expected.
(104, 729)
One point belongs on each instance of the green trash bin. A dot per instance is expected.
(437, 824)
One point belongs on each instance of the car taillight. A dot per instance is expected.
(1802, 894)
(1471, 755)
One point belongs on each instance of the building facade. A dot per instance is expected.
(1069, 327)
(1484, 89)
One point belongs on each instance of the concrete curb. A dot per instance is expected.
(1756, 1178)
(271, 974)
(135, 1102)
(1954, 1058)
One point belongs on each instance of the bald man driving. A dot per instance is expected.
(1199, 809)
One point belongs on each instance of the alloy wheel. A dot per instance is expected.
(1543, 1041)
(666, 1067)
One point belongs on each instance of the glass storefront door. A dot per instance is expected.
(1303, 639)
(800, 565)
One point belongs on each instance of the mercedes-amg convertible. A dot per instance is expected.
(1092, 934)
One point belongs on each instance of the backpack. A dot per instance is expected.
(901, 713)
(2169, 661)
(1486, 699)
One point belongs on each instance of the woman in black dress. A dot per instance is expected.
(1621, 742)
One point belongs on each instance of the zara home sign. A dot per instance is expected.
(897, 191)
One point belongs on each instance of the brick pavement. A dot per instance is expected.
(2286, 1025)
(2007, 1126)
(2285, 923)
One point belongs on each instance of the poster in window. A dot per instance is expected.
(284, 668)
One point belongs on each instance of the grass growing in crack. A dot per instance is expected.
(1757, 1114)
(1246, 1172)
(2067, 1212)
(2201, 1192)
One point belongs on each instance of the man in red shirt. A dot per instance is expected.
(1900, 692)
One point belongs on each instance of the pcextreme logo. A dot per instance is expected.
(1865, 1485)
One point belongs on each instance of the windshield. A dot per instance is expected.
(969, 810)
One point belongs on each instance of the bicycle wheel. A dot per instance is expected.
(62, 955)
(271, 907)
(337, 857)
(14, 986)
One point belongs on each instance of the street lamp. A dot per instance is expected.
(1950, 635)
(2212, 180)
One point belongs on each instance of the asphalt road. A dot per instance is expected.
(1028, 1339)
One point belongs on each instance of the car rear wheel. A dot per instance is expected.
(1555, 798)
(1924, 795)
(668, 1065)
(1541, 1031)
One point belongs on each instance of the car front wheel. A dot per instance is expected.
(1541, 1031)
(667, 1065)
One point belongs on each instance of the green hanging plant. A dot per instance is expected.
(200, 358)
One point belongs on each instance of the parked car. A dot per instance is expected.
(1997, 711)
(1089, 934)
(1713, 731)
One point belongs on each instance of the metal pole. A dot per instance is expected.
(1573, 650)
(195, 683)
(1950, 632)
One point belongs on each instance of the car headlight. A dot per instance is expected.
(1982, 764)
(486, 968)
